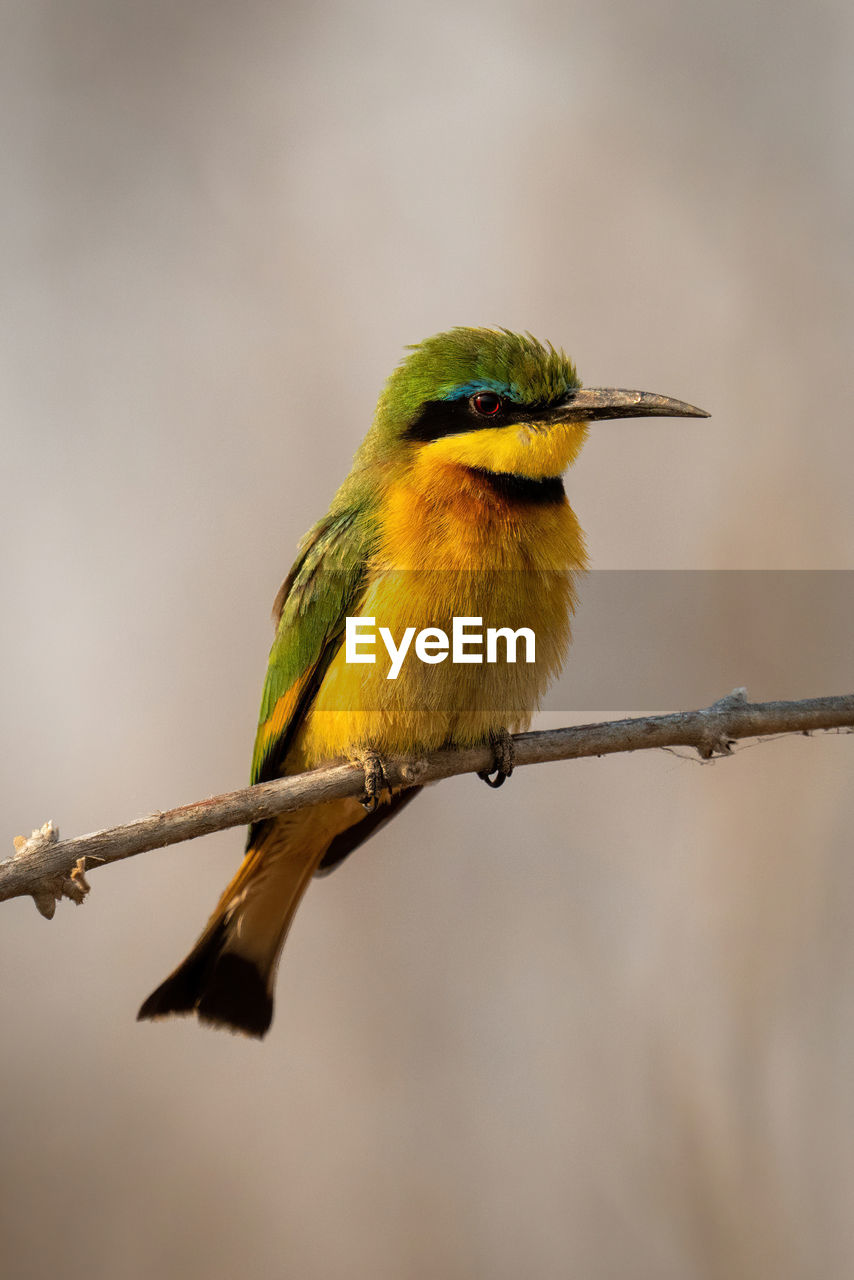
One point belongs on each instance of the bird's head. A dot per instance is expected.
(500, 402)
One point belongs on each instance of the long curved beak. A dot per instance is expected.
(586, 403)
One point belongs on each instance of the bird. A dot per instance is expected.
(454, 508)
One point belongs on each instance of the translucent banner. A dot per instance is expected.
(447, 640)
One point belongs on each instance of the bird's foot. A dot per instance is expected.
(504, 756)
(376, 778)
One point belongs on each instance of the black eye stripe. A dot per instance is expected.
(438, 418)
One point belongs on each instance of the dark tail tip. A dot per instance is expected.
(180, 991)
(222, 988)
(169, 997)
(236, 995)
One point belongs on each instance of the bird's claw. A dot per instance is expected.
(504, 756)
(376, 779)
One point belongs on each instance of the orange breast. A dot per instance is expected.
(452, 546)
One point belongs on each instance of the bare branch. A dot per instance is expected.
(48, 869)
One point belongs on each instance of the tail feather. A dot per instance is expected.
(236, 995)
(180, 991)
(227, 979)
(220, 986)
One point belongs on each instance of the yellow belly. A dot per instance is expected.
(445, 553)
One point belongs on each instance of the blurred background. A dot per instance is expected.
(597, 1024)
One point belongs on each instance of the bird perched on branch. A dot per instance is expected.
(454, 508)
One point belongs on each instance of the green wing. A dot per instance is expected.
(321, 589)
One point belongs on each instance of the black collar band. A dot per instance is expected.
(521, 488)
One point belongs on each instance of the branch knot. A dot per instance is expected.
(49, 890)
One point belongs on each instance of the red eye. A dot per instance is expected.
(486, 403)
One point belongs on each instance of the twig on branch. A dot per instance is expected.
(48, 869)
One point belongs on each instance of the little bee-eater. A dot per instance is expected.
(454, 508)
